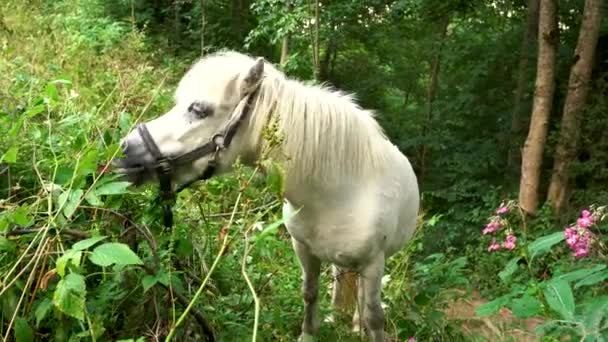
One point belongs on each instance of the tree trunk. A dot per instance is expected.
(327, 58)
(176, 25)
(532, 152)
(578, 87)
(432, 92)
(203, 24)
(314, 37)
(285, 44)
(525, 59)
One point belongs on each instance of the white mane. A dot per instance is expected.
(326, 134)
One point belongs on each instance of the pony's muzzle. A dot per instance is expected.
(135, 157)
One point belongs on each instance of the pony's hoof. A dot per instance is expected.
(306, 338)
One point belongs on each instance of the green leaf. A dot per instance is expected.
(544, 243)
(35, 110)
(580, 274)
(594, 314)
(22, 216)
(10, 156)
(112, 188)
(433, 220)
(526, 306)
(92, 199)
(592, 279)
(124, 122)
(509, 269)
(70, 255)
(274, 176)
(114, 253)
(273, 227)
(50, 90)
(559, 297)
(23, 331)
(84, 244)
(184, 247)
(88, 163)
(69, 296)
(491, 307)
(42, 309)
(148, 281)
(69, 201)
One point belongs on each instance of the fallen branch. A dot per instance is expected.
(78, 234)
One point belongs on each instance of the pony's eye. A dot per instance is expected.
(200, 109)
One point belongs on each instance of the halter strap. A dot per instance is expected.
(164, 164)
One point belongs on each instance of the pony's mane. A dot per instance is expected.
(326, 134)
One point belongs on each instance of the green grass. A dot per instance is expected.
(75, 82)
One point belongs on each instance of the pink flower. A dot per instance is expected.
(510, 242)
(491, 227)
(502, 209)
(581, 253)
(586, 213)
(494, 246)
(579, 239)
(411, 339)
(584, 222)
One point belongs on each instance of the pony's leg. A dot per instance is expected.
(371, 284)
(357, 324)
(311, 269)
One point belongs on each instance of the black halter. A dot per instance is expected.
(164, 165)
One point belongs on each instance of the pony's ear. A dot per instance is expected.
(253, 77)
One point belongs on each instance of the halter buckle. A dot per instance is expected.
(218, 140)
(163, 166)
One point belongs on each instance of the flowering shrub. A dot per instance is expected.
(552, 286)
(579, 236)
(498, 221)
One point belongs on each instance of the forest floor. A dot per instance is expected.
(502, 326)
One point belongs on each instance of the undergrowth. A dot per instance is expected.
(84, 257)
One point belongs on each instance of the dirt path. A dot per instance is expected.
(502, 326)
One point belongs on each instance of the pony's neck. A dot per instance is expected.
(326, 136)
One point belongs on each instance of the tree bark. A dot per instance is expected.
(432, 92)
(286, 39)
(203, 24)
(176, 25)
(314, 37)
(330, 51)
(578, 88)
(525, 59)
(532, 152)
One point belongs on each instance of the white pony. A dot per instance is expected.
(357, 194)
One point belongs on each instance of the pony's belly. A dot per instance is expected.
(345, 241)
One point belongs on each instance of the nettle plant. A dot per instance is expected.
(552, 296)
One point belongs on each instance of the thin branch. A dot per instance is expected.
(78, 234)
(256, 300)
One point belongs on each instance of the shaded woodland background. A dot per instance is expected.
(455, 84)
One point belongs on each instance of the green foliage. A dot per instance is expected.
(82, 256)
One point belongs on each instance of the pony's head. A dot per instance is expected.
(209, 99)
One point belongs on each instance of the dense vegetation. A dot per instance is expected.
(85, 257)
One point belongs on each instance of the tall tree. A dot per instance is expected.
(203, 24)
(314, 37)
(433, 84)
(529, 37)
(532, 152)
(578, 87)
(286, 38)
